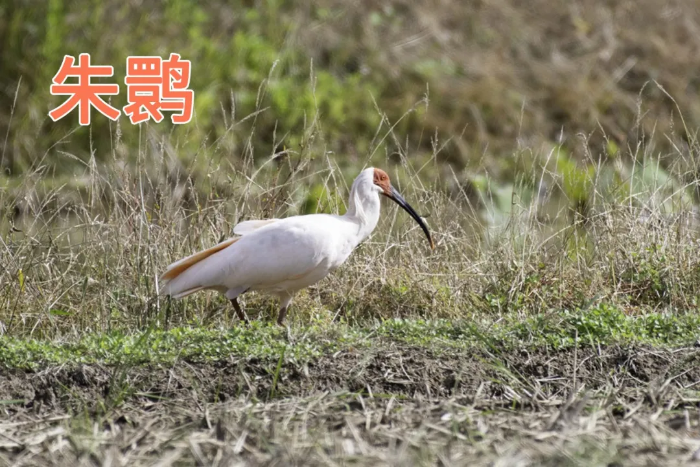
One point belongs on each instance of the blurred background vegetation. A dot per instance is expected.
(481, 98)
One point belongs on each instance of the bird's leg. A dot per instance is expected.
(239, 312)
(284, 305)
(282, 314)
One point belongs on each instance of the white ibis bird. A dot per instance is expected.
(283, 256)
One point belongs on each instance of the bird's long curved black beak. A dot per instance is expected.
(398, 199)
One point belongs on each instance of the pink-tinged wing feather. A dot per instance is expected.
(178, 267)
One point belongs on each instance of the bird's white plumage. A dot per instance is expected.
(282, 256)
(246, 227)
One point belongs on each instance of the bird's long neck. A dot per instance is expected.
(363, 213)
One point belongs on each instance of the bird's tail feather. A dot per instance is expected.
(187, 292)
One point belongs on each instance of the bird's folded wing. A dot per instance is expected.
(178, 267)
(246, 227)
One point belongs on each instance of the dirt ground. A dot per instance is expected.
(391, 405)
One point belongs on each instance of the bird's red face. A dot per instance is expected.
(381, 179)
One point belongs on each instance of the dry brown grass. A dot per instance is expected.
(88, 261)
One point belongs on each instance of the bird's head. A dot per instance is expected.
(383, 184)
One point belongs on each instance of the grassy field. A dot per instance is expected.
(552, 149)
(571, 340)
